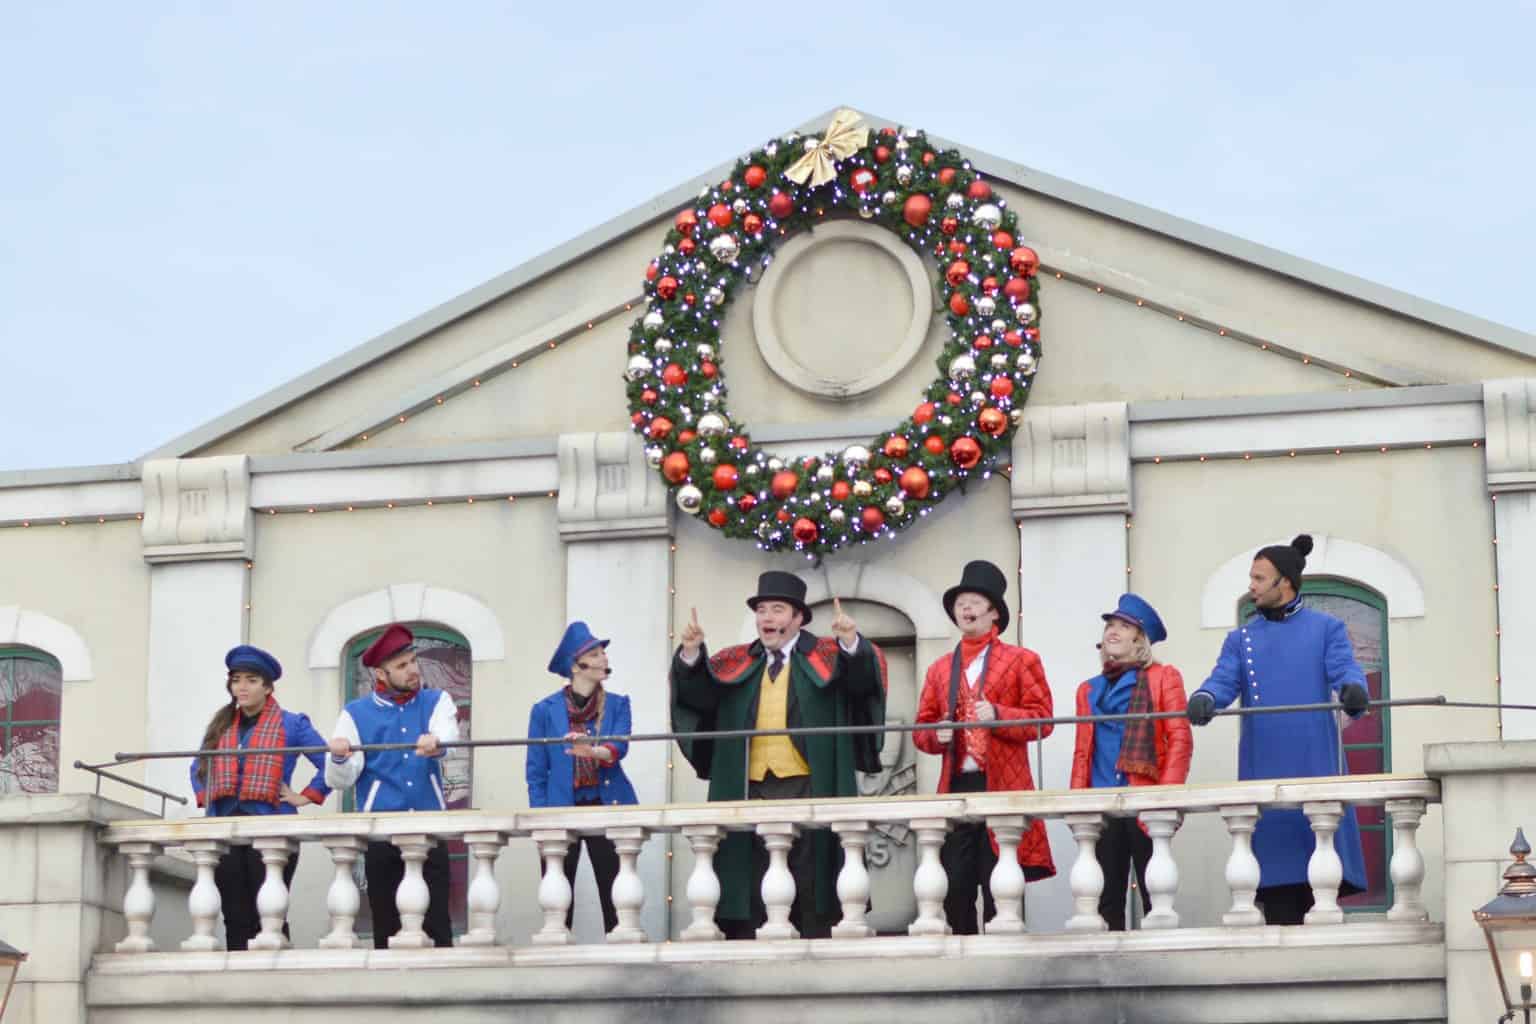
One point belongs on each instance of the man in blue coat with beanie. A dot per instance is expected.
(1288, 654)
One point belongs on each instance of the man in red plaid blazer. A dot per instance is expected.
(981, 680)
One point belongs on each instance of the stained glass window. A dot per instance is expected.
(31, 694)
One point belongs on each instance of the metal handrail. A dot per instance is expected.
(99, 770)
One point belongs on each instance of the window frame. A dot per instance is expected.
(8, 725)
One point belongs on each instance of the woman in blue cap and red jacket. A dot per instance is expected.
(1138, 752)
(255, 784)
(586, 770)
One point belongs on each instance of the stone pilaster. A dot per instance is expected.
(1509, 413)
(197, 538)
(617, 523)
(1071, 496)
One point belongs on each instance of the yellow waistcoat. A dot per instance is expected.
(775, 753)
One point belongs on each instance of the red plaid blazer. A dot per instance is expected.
(1015, 685)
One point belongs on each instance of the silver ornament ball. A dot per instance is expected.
(825, 472)
(775, 464)
(811, 143)
(1026, 313)
(690, 499)
(713, 424)
(986, 305)
(999, 326)
(862, 488)
(891, 199)
(895, 506)
(855, 457)
(740, 207)
(904, 174)
(1026, 362)
(987, 216)
(653, 456)
(724, 248)
(639, 368)
(837, 516)
(999, 360)
(961, 367)
(707, 456)
(751, 469)
(652, 320)
(977, 398)
(714, 297)
(706, 351)
(954, 201)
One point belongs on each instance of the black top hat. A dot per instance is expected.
(985, 579)
(781, 586)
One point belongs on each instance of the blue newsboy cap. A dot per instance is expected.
(1138, 613)
(246, 658)
(577, 640)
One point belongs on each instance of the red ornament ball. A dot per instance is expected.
(989, 286)
(916, 210)
(687, 246)
(686, 437)
(862, 180)
(746, 502)
(721, 216)
(717, 517)
(752, 223)
(1024, 260)
(928, 158)
(992, 421)
(957, 272)
(982, 341)
(979, 189)
(896, 447)
(780, 205)
(651, 271)
(966, 452)
(784, 483)
(689, 298)
(686, 222)
(666, 288)
(1002, 239)
(883, 476)
(840, 490)
(956, 247)
(754, 176)
(709, 370)
(1017, 288)
(871, 519)
(914, 481)
(949, 225)
(934, 444)
(782, 515)
(674, 375)
(1002, 387)
(806, 531)
(725, 478)
(660, 428)
(740, 443)
(675, 467)
(947, 176)
(1013, 338)
(959, 304)
(953, 398)
(637, 418)
(923, 413)
(649, 396)
(882, 154)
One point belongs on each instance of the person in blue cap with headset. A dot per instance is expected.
(587, 770)
(1134, 752)
(257, 784)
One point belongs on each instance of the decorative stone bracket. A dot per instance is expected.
(1509, 413)
(197, 509)
(1073, 459)
(607, 492)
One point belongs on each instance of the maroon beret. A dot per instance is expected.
(391, 642)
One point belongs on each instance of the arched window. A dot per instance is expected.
(1368, 739)
(31, 695)
(446, 664)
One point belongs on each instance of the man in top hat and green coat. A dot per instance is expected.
(786, 678)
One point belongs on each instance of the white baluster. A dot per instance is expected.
(1407, 862)
(554, 888)
(1087, 877)
(1242, 866)
(484, 895)
(852, 880)
(929, 883)
(703, 883)
(778, 882)
(272, 897)
(1324, 870)
(342, 899)
(1007, 881)
(203, 902)
(139, 900)
(1162, 869)
(412, 897)
(628, 890)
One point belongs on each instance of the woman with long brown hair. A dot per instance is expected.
(253, 784)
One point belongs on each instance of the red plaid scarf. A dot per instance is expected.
(974, 740)
(1138, 744)
(389, 693)
(263, 775)
(585, 718)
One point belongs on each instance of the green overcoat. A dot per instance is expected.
(828, 686)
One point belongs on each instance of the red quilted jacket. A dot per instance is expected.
(1174, 741)
(1015, 685)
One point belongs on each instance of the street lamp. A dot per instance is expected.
(1509, 925)
(11, 960)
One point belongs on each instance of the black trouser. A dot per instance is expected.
(1122, 846)
(802, 865)
(1285, 904)
(968, 860)
(605, 868)
(384, 868)
(239, 875)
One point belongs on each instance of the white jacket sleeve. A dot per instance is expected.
(444, 723)
(342, 774)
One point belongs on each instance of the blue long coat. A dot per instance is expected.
(551, 771)
(1302, 659)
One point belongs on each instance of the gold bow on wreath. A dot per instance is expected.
(843, 137)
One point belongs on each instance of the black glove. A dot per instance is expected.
(1354, 698)
(1201, 709)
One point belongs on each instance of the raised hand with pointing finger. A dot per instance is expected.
(843, 627)
(693, 636)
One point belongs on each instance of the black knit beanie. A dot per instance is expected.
(1290, 559)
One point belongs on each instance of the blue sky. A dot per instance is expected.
(200, 201)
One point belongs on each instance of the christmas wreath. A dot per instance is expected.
(934, 200)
